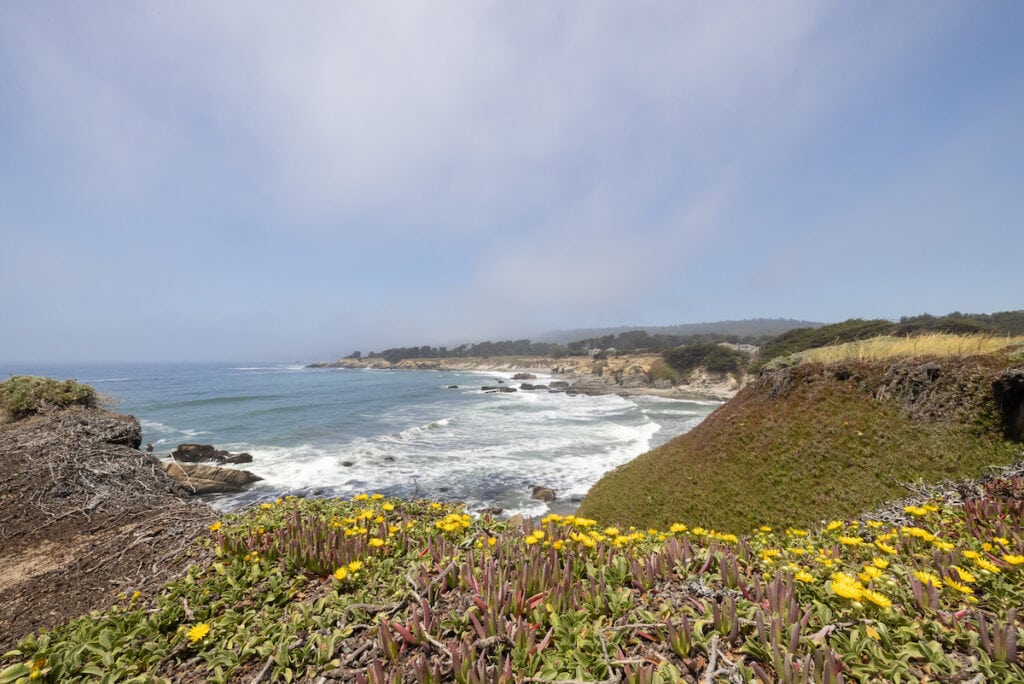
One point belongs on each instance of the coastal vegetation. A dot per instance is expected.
(812, 441)
(382, 590)
(26, 395)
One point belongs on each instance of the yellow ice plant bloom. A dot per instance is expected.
(850, 541)
(962, 588)
(769, 554)
(971, 554)
(198, 632)
(361, 497)
(880, 563)
(1001, 540)
(699, 531)
(376, 542)
(531, 539)
(915, 511)
(875, 523)
(377, 497)
(387, 507)
(266, 506)
(797, 533)
(878, 599)
(725, 537)
(804, 576)
(964, 575)
(884, 548)
(764, 528)
(942, 545)
(928, 578)
(987, 565)
(847, 587)
(870, 572)
(215, 526)
(677, 528)
(611, 531)
(557, 544)
(340, 574)
(355, 566)
(136, 594)
(834, 525)
(1013, 559)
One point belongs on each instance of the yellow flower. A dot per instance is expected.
(962, 588)
(804, 576)
(884, 548)
(557, 544)
(850, 541)
(797, 533)
(880, 563)
(215, 526)
(764, 528)
(266, 506)
(677, 528)
(361, 497)
(611, 531)
(1013, 559)
(340, 574)
(846, 587)
(377, 497)
(928, 578)
(376, 542)
(971, 554)
(834, 525)
(1001, 540)
(876, 598)
(875, 523)
(198, 632)
(870, 572)
(943, 546)
(355, 566)
(964, 575)
(699, 531)
(915, 510)
(387, 507)
(984, 564)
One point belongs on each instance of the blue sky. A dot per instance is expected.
(195, 180)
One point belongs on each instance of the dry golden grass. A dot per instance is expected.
(933, 344)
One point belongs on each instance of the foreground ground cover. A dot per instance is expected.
(380, 590)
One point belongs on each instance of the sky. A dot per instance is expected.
(265, 180)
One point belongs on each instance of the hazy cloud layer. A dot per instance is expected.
(255, 180)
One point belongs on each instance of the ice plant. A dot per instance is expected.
(198, 632)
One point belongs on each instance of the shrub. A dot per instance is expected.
(714, 357)
(26, 395)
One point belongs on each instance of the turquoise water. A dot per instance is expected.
(403, 433)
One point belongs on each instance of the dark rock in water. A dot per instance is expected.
(204, 479)
(524, 376)
(197, 453)
(491, 388)
(559, 384)
(491, 510)
(507, 389)
(443, 489)
(453, 387)
(347, 464)
(543, 493)
(389, 458)
(528, 386)
(499, 381)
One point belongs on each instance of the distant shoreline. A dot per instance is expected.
(621, 374)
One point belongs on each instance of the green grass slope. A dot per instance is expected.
(813, 442)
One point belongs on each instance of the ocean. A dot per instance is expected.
(338, 432)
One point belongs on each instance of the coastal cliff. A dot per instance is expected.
(815, 441)
(616, 374)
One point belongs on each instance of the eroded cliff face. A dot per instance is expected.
(86, 515)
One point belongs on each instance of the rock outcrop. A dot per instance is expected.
(203, 479)
(198, 453)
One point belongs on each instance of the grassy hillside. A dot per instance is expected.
(814, 441)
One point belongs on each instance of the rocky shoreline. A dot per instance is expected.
(622, 374)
